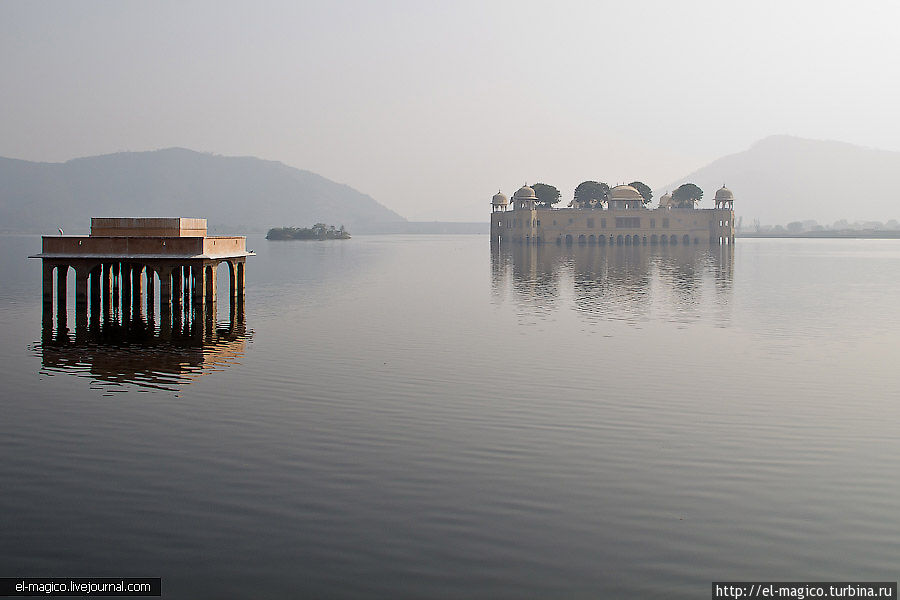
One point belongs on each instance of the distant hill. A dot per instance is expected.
(235, 194)
(782, 179)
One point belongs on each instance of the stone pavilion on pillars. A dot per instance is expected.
(125, 257)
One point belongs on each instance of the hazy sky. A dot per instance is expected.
(432, 106)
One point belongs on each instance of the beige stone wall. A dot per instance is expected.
(213, 247)
(122, 246)
(597, 226)
(224, 245)
(144, 227)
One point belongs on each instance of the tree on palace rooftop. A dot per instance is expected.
(589, 193)
(644, 189)
(546, 194)
(686, 196)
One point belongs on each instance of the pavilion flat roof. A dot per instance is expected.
(143, 247)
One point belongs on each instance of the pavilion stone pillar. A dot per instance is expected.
(232, 286)
(115, 285)
(165, 290)
(241, 283)
(186, 278)
(81, 297)
(165, 301)
(106, 283)
(211, 289)
(151, 294)
(47, 285)
(198, 296)
(62, 272)
(126, 292)
(137, 289)
(177, 286)
(198, 274)
(95, 277)
(177, 297)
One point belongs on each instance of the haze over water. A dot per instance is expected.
(420, 417)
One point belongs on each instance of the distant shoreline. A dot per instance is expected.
(846, 234)
(424, 227)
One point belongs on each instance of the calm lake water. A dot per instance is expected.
(414, 416)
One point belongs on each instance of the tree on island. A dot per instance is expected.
(590, 193)
(686, 196)
(546, 194)
(645, 191)
(319, 231)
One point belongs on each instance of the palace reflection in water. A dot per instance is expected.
(618, 283)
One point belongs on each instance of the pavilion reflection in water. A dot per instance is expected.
(121, 348)
(614, 282)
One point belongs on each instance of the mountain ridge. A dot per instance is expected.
(235, 193)
(783, 178)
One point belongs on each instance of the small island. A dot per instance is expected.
(319, 231)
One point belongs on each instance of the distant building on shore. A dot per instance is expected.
(623, 222)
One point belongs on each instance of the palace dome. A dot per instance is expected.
(500, 199)
(524, 193)
(724, 193)
(624, 192)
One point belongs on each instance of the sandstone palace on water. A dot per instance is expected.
(623, 222)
